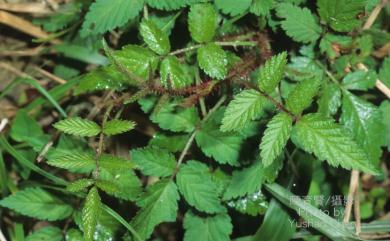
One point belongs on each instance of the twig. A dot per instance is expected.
(353, 184)
(33, 8)
(24, 26)
(379, 84)
(374, 14)
(44, 151)
(231, 43)
(186, 148)
(50, 75)
(356, 204)
(3, 123)
(2, 237)
(15, 71)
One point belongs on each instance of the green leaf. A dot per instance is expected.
(48, 233)
(341, 15)
(245, 181)
(137, 60)
(78, 127)
(26, 129)
(79, 185)
(252, 204)
(105, 15)
(245, 107)
(213, 61)
(261, 7)
(302, 68)
(167, 5)
(74, 235)
(360, 80)
(64, 15)
(174, 118)
(325, 224)
(155, 38)
(107, 77)
(299, 23)
(202, 22)
(196, 185)
(224, 147)
(74, 161)
(364, 121)
(125, 180)
(32, 201)
(209, 228)
(115, 127)
(276, 225)
(384, 72)
(173, 74)
(301, 97)
(113, 163)
(108, 187)
(330, 41)
(330, 99)
(158, 204)
(172, 143)
(272, 72)
(154, 161)
(275, 138)
(233, 7)
(329, 141)
(90, 214)
(385, 109)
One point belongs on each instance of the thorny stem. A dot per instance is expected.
(232, 43)
(192, 137)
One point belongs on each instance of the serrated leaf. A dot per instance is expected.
(272, 72)
(341, 15)
(79, 185)
(233, 7)
(64, 15)
(360, 80)
(108, 187)
(90, 214)
(113, 163)
(196, 185)
(155, 38)
(137, 60)
(74, 161)
(364, 120)
(328, 141)
(261, 7)
(330, 99)
(167, 5)
(104, 15)
(48, 233)
(275, 138)
(31, 201)
(154, 161)
(172, 143)
(209, 228)
(252, 204)
(107, 77)
(299, 23)
(245, 181)
(125, 180)
(213, 61)
(302, 68)
(158, 204)
(115, 127)
(78, 127)
(224, 147)
(202, 22)
(245, 107)
(301, 97)
(174, 118)
(74, 235)
(173, 75)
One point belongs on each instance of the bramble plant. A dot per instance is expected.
(201, 120)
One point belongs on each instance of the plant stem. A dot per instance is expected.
(230, 43)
